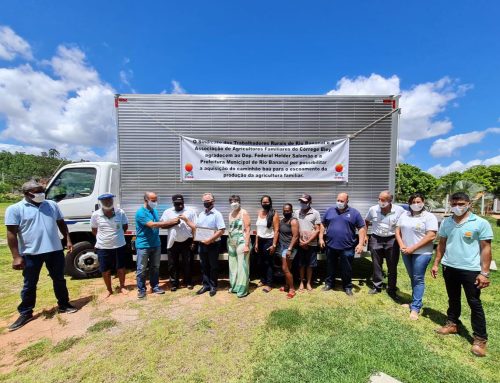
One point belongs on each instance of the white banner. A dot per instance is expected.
(234, 160)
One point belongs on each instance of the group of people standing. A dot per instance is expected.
(464, 248)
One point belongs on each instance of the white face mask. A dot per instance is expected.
(235, 206)
(459, 210)
(106, 208)
(304, 206)
(417, 206)
(383, 205)
(38, 197)
(340, 205)
(152, 204)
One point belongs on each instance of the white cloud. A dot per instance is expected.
(446, 147)
(12, 45)
(458, 166)
(126, 77)
(177, 88)
(420, 105)
(64, 106)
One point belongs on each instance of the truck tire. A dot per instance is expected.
(82, 261)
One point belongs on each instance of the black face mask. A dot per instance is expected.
(207, 204)
(287, 215)
(178, 206)
(266, 206)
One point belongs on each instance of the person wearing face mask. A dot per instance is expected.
(415, 233)
(341, 223)
(109, 225)
(148, 245)
(210, 218)
(180, 223)
(266, 240)
(382, 244)
(289, 237)
(238, 246)
(307, 253)
(33, 226)
(464, 251)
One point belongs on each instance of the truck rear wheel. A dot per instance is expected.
(82, 262)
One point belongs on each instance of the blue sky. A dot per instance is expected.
(442, 56)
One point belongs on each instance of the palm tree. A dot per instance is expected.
(445, 190)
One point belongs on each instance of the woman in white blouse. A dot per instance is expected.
(415, 233)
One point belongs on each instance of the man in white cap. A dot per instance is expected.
(109, 225)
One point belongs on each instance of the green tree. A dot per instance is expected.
(411, 179)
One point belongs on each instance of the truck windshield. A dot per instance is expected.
(72, 183)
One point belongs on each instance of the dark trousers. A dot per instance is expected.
(209, 258)
(455, 279)
(183, 250)
(54, 261)
(388, 248)
(344, 258)
(266, 260)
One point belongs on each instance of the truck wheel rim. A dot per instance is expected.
(87, 262)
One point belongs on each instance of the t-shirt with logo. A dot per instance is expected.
(341, 227)
(384, 225)
(110, 233)
(414, 227)
(463, 250)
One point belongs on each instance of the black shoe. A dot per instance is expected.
(173, 288)
(374, 291)
(394, 296)
(67, 309)
(190, 287)
(213, 292)
(141, 295)
(349, 292)
(21, 321)
(327, 288)
(203, 290)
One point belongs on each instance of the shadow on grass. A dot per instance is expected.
(78, 303)
(440, 319)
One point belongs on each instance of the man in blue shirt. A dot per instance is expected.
(212, 219)
(464, 250)
(340, 223)
(33, 239)
(148, 245)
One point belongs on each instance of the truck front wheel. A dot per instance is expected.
(82, 262)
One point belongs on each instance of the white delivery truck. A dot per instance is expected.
(153, 131)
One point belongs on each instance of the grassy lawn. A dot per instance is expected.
(315, 337)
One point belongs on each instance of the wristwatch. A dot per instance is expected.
(484, 274)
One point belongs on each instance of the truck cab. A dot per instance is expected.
(75, 188)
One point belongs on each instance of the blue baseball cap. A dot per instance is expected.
(105, 196)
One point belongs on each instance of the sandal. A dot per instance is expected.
(290, 294)
(284, 289)
(267, 289)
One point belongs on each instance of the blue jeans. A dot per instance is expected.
(153, 255)
(416, 265)
(345, 257)
(54, 261)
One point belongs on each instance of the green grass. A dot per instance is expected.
(315, 337)
(35, 350)
(102, 325)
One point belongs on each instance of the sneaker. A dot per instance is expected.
(173, 288)
(141, 294)
(448, 328)
(374, 291)
(158, 290)
(190, 287)
(67, 309)
(327, 288)
(213, 292)
(479, 346)
(349, 292)
(21, 321)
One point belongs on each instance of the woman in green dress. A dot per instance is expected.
(238, 245)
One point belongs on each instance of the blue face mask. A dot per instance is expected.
(340, 205)
(152, 205)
